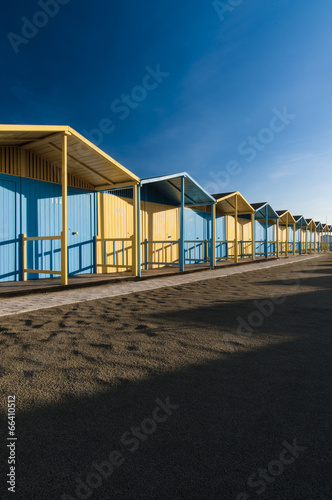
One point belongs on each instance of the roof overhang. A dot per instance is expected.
(311, 224)
(319, 226)
(285, 217)
(170, 187)
(326, 228)
(300, 221)
(264, 209)
(226, 204)
(85, 160)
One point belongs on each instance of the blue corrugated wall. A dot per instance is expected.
(197, 229)
(260, 237)
(10, 228)
(35, 208)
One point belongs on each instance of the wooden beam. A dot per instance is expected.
(64, 234)
(122, 185)
(84, 165)
(41, 142)
(236, 250)
(213, 236)
(253, 255)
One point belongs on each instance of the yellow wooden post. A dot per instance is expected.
(294, 237)
(253, 256)
(24, 255)
(315, 240)
(213, 254)
(306, 240)
(236, 250)
(287, 237)
(64, 234)
(136, 269)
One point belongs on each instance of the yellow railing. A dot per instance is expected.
(25, 239)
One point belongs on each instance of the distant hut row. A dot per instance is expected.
(68, 208)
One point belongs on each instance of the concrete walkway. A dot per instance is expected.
(36, 302)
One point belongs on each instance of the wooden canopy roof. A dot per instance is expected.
(226, 203)
(85, 160)
(285, 217)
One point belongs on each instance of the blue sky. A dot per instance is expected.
(240, 99)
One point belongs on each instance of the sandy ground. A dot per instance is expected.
(244, 412)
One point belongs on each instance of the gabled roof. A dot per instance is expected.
(300, 221)
(285, 217)
(170, 187)
(226, 203)
(326, 227)
(85, 160)
(311, 224)
(319, 226)
(264, 209)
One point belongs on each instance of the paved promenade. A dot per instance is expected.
(11, 306)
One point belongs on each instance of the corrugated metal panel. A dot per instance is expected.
(197, 228)
(115, 220)
(158, 223)
(81, 208)
(9, 229)
(42, 216)
(221, 248)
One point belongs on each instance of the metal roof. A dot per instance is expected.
(226, 203)
(260, 211)
(85, 160)
(170, 187)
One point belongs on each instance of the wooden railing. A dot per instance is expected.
(163, 252)
(25, 239)
(120, 253)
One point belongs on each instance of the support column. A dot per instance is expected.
(300, 238)
(266, 232)
(181, 244)
(310, 242)
(306, 240)
(236, 250)
(64, 233)
(294, 239)
(213, 236)
(315, 240)
(253, 242)
(287, 237)
(136, 268)
(277, 239)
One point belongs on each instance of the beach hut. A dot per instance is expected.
(325, 237)
(49, 177)
(287, 225)
(301, 237)
(266, 230)
(234, 229)
(176, 224)
(311, 235)
(319, 231)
